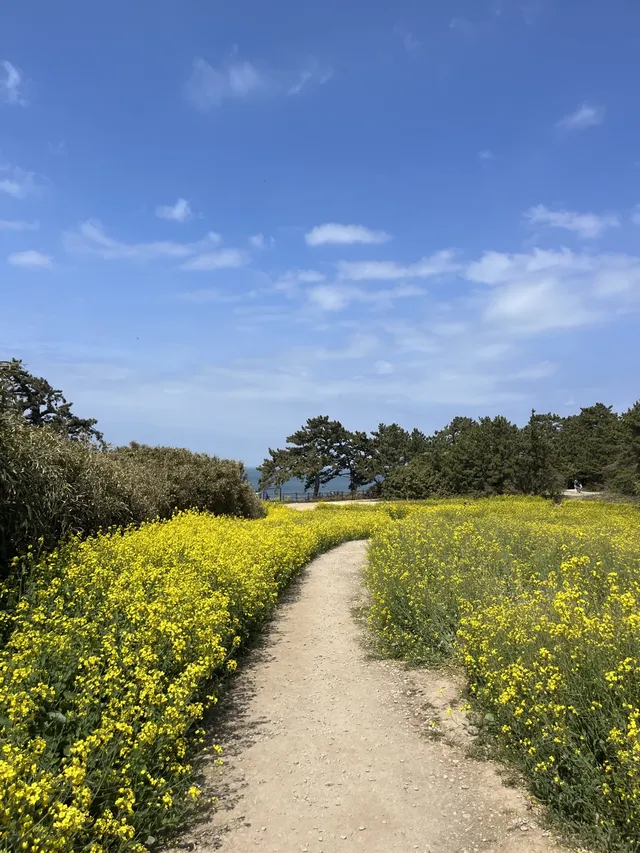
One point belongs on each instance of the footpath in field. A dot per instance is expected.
(328, 750)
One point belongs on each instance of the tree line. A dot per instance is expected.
(58, 476)
(488, 456)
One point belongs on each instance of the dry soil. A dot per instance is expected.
(328, 749)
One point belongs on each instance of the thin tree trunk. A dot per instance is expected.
(316, 486)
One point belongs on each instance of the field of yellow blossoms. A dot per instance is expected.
(540, 605)
(111, 660)
(114, 648)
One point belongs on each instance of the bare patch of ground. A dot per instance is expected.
(314, 504)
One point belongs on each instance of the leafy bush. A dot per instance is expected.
(52, 486)
(173, 478)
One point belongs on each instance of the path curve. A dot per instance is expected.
(327, 750)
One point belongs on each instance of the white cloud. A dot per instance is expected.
(304, 78)
(209, 87)
(582, 118)
(329, 297)
(410, 42)
(544, 290)
(334, 233)
(584, 224)
(360, 345)
(501, 268)
(212, 294)
(16, 182)
(313, 73)
(224, 259)
(10, 85)
(289, 280)
(335, 297)
(178, 212)
(449, 330)
(383, 368)
(485, 155)
(31, 259)
(536, 371)
(462, 25)
(90, 238)
(18, 225)
(259, 241)
(635, 216)
(437, 264)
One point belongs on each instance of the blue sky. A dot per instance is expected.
(217, 220)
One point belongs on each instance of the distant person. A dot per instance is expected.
(579, 487)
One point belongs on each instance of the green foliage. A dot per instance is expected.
(175, 478)
(39, 404)
(484, 457)
(315, 455)
(624, 475)
(588, 444)
(57, 479)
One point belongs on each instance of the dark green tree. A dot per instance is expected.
(588, 443)
(539, 472)
(40, 404)
(624, 473)
(316, 454)
(455, 458)
(391, 447)
(357, 461)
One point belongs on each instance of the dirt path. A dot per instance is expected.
(328, 750)
(314, 504)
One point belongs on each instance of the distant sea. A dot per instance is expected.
(292, 487)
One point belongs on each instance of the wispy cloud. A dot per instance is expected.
(584, 224)
(462, 25)
(16, 182)
(410, 43)
(334, 233)
(313, 74)
(208, 295)
(30, 259)
(486, 155)
(178, 212)
(587, 115)
(209, 87)
(544, 290)
(10, 84)
(437, 264)
(259, 241)
(18, 225)
(90, 238)
(290, 279)
(224, 259)
(635, 215)
(336, 297)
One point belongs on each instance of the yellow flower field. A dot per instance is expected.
(114, 651)
(540, 605)
(111, 661)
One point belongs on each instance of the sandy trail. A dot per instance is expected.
(328, 750)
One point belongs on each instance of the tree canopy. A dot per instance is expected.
(40, 404)
(488, 456)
